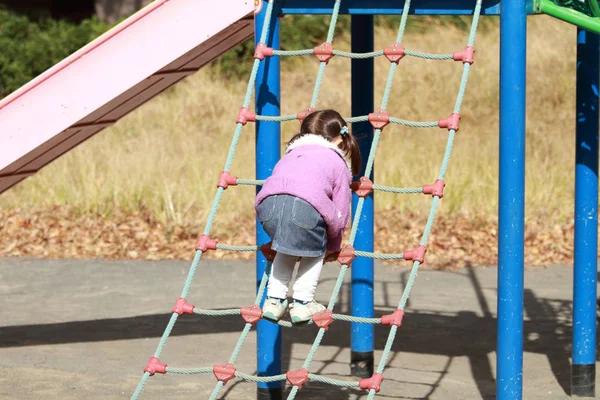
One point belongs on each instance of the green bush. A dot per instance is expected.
(28, 48)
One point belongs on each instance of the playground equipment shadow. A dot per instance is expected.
(74, 329)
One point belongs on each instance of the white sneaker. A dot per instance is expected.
(274, 310)
(303, 312)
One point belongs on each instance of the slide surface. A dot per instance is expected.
(116, 73)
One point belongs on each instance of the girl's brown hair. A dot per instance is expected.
(329, 124)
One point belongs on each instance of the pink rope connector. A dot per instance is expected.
(323, 319)
(263, 51)
(245, 115)
(324, 52)
(373, 382)
(379, 119)
(224, 372)
(347, 255)
(393, 319)
(417, 254)
(268, 252)
(226, 180)
(251, 314)
(154, 365)
(394, 53)
(206, 243)
(437, 189)
(183, 307)
(297, 377)
(303, 114)
(466, 56)
(451, 122)
(363, 187)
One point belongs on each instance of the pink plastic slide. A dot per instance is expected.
(116, 73)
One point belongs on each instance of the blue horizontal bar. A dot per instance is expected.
(393, 7)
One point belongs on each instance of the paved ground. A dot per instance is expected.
(85, 329)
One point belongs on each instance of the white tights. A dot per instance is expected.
(307, 278)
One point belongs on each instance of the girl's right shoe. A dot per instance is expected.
(274, 309)
(302, 313)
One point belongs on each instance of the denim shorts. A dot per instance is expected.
(294, 226)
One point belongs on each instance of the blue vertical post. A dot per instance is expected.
(583, 369)
(361, 359)
(511, 210)
(268, 356)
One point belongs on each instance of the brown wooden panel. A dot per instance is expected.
(241, 30)
(209, 54)
(22, 163)
(165, 81)
(74, 140)
(35, 153)
(6, 182)
(99, 114)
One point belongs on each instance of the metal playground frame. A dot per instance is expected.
(513, 40)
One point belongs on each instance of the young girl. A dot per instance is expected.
(304, 208)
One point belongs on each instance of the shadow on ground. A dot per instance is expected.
(450, 335)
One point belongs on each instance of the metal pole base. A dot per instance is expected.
(269, 394)
(361, 364)
(583, 380)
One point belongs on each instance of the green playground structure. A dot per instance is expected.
(584, 14)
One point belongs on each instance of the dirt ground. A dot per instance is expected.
(75, 329)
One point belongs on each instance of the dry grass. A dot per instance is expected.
(165, 157)
(455, 241)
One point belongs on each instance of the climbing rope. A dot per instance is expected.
(363, 187)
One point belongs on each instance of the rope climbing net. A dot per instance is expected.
(363, 187)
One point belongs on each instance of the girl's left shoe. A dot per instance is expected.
(274, 309)
(301, 313)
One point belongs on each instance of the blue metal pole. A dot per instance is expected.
(511, 210)
(267, 154)
(361, 359)
(583, 370)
